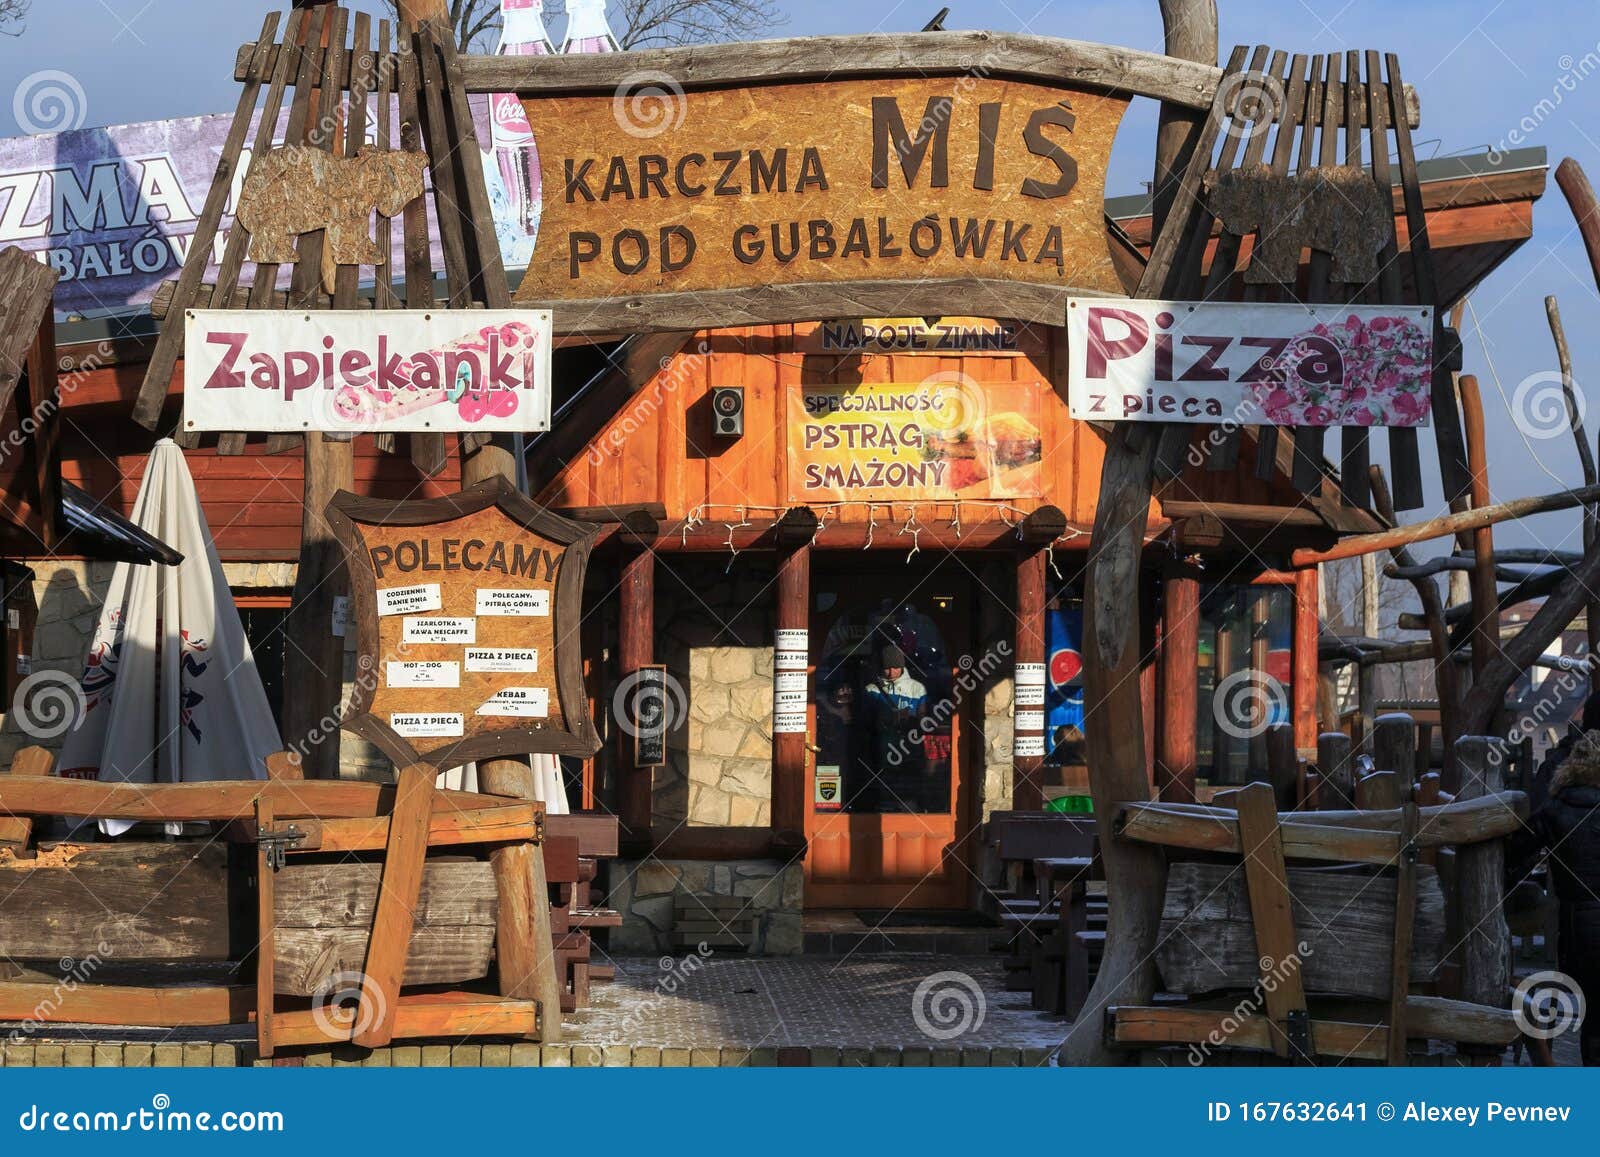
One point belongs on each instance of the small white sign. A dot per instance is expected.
(367, 371)
(785, 702)
(789, 639)
(1029, 721)
(1030, 674)
(1249, 363)
(789, 661)
(1029, 695)
(789, 723)
(784, 681)
(1026, 745)
(430, 725)
(532, 702)
(408, 600)
(341, 616)
(440, 630)
(513, 602)
(504, 660)
(424, 673)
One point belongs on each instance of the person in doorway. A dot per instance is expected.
(895, 706)
(1567, 828)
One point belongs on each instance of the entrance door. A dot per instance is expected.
(887, 799)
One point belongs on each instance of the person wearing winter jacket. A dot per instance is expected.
(1567, 829)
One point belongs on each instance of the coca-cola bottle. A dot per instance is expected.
(587, 30)
(522, 33)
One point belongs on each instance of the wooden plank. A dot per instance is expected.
(1167, 1026)
(122, 902)
(1453, 467)
(489, 272)
(1267, 882)
(1405, 908)
(419, 1015)
(398, 889)
(1485, 950)
(509, 823)
(164, 358)
(15, 831)
(220, 800)
(266, 932)
(1344, 919)
(117, 1004)
(311, 961)
(525, 958)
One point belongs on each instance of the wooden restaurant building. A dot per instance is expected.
(844, 561)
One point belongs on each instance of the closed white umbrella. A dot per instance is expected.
(171, 691)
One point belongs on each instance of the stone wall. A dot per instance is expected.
(646, 893)
(714, 634)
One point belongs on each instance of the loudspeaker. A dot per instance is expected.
(727, 411)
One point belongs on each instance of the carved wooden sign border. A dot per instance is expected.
(471, 649)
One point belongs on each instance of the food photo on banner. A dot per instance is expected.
(729, 536)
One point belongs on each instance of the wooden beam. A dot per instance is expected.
(15, 830)
(117, 1004)
(1027, 788)
(219, 800)
(1448, 524)
(398, 889)
(1176, 766)
(1267, 882)
(420, 1015)
(635, 650)
(789, 747)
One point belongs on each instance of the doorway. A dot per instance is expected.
(886, 822)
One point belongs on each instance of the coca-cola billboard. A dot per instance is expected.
(1247, 363)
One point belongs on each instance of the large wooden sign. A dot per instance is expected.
(467, 611)
(671, 208)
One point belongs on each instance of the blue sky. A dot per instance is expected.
(1481, 67)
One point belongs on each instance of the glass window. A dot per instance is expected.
(1245, 671)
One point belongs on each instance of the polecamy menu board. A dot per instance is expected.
(466, 611)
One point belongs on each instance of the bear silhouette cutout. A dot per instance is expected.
(298, 189)
(1333, 209)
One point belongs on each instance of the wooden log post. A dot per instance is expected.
(1303, 658)
(635, 649)
(1337, 767)
(1176, 755)
(1485, 593)
(1283, 765)
(313, 672)
(791, 657)
(1485, 939)
(1028, 744)
(1394, 749)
